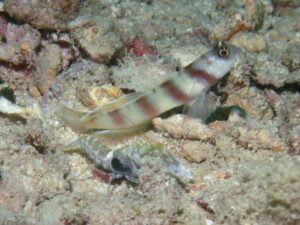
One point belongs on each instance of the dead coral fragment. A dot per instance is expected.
(10, 108)
(22, 35)
(47, 67)
(43, 14)
(180, 126)
(21, 42)
(249, 41)
(253, 101)
(251, 18)
(11, 54)
(268, 71)
(97, 96)
(260, 139)
(197, 152)
(96, 37)
(140, 74)
(139, 48)
(285, 5)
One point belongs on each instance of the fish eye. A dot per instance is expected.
(119, 166)
(222, 49)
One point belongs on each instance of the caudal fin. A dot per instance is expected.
(71, 118)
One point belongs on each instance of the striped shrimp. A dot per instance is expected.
(135, 110)
(126, 161)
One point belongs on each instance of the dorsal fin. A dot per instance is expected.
(116, 104)
(126, 99)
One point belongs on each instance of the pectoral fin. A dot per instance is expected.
(201, 107)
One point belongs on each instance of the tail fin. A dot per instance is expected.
(71, 118)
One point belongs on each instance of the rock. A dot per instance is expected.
(12, 217)
(197, 152)
(139, 47)
(295, 139)
(259, 139)
(68, 48)
(285, 5)
(285, 27)
(9, 108)
(20, 44)
(22, 35)
(251, 42)
(96, 37)
(11, 54)
(268, 71)
(47, 67)
(291, 58)
(187, 54)
(287, 109)
(140, 74)
(253, 101)
(79, 77)
(252, 134)
(263, 190)
(99, 96)
(226, 144)
(180, 126)
(186, 16)
(43, 14)
(235, 21)
(218, 127)
(27, 181)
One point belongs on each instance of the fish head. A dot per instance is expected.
(218, 61)
(222, 57)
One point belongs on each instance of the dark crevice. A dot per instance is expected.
(290, 87)
(116, 58)
(68, 181)
(8, 93)
(14, 118)
(127, 91)
(217, 88)
(11, 19)
(36, 143)
(19, 67)
(273, 110)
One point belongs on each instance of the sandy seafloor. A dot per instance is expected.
(247, 170)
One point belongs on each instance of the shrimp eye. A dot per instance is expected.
(222, 49)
